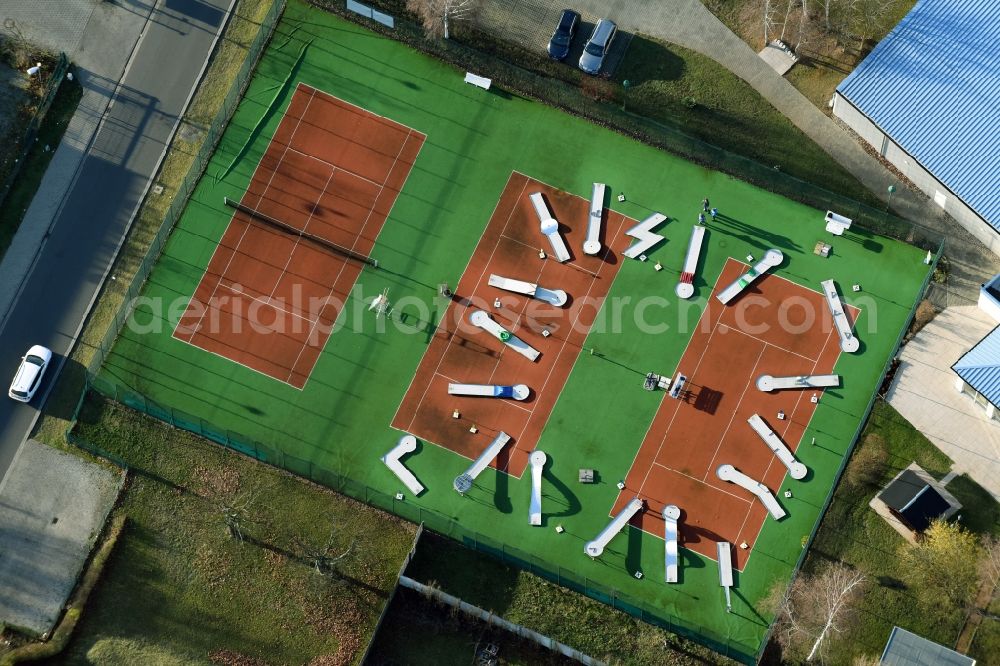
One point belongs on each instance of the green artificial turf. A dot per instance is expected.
(339, 422)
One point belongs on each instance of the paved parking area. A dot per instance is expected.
(530, 23)
(52, 509)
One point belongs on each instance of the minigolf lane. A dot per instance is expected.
(462, 352)
(690, 438)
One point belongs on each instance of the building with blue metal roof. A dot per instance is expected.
(979, 368)
(926, 98)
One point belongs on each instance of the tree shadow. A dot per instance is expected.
(571, 502)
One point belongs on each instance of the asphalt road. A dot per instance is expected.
(99, 207)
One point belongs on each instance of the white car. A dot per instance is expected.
(29, 374)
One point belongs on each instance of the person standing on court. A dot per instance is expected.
(713, 213)
(704, 204)
(701, 218)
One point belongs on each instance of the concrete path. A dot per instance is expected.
(148, 65)
(923, 391)
(690, 24)
(45, 537)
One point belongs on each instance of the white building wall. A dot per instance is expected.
(922, 178)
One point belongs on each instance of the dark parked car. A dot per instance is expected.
(561, 38)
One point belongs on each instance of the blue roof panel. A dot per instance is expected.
(980, 367)
(933, 85)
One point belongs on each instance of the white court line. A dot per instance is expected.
(268, 302)
(696, 480)
(787, 425)
(354, 243)
(670, 424)
(512, 403)
(340, 168)
(464, 308)
(736, 410)
(262, 196)
(477, 286)
(338, 102)
(298, 239)
(236, 248)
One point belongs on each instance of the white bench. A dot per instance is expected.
(478, 81)
(836, 224)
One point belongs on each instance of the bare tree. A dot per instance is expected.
(826, 13)
(989, 566)
(867, 18)
(769, 10)
(817, 606)
(236, 510)
(326, 557)
(803, 23)
(438, 15)
(784, 23)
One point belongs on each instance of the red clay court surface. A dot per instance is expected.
(688, 439)
(462, 353)
(269, 298)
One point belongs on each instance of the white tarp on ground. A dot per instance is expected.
(369, 12)
(924, 392)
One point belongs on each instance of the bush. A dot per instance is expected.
(868, 462)
(923, 316)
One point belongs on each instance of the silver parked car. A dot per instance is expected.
(29, 373)
(597, 46)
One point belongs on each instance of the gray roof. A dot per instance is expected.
(907, 649)
(980, 367)
(902, 489)
(932, 86)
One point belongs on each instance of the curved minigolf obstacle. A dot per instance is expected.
(734, 476)
(406, 444)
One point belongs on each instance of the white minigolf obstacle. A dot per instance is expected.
(515, 392)
(463, 482)
(796, 469)
(768, 383)
(848, 342)
(593, 243)
(596, 547)
(685, 288)
(407, 444)
(725, 558)
(770, 259)
(537, 460)
(645, 238)
(549, 227)
(671, 513)
(734, 476)
(484, 321)
(556, 297)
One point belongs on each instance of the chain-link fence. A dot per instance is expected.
(557, 93)
(431, 519)
(186, 188)
(531, 74)
(17, 154)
